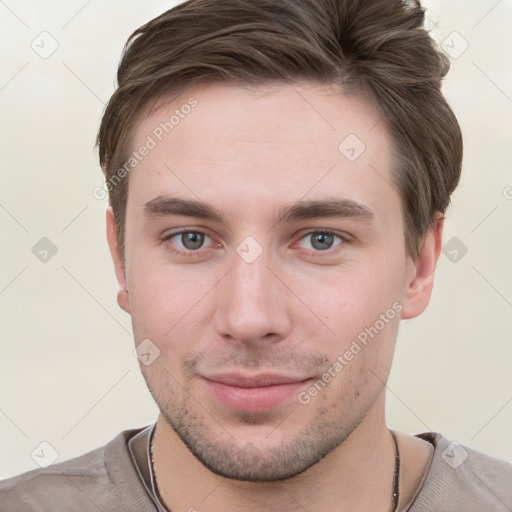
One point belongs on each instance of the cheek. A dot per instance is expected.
(166, 300)
(352, 297)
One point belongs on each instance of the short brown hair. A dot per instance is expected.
(375, 47)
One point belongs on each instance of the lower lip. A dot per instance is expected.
(259, 399)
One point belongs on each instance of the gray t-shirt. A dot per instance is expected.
(117, 478)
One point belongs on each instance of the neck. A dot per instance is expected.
(356, 476)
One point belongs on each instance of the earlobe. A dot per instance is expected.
(420, 274)
(122, 295)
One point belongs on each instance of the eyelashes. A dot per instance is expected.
(324, 237)
(194, 242)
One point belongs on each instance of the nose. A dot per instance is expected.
(252, 304)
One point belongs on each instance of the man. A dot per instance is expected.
(278, 173)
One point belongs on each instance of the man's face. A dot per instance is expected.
(251, 309)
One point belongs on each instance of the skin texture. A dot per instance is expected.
(292, 311)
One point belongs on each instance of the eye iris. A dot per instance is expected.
(322, 241)
(192, 240)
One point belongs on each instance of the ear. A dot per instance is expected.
(122, 295)
(420, 273)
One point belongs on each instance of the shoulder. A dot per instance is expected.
(95, 481)
(462, 478)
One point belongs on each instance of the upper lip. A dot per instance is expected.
(253, 381)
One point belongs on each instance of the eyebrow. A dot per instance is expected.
(302, 210)
(325, 208)
(167, 205)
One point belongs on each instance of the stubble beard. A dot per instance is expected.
(217, 449)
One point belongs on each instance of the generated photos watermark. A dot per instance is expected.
(358, 344)
(151, 142)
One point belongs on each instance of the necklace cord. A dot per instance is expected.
(396, 474)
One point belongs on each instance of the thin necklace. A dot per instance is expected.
(396, 474)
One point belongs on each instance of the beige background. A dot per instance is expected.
(67, 372)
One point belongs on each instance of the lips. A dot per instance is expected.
(256, 393)
(255, 381)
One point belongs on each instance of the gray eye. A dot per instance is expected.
(322, 241)
(192, 240)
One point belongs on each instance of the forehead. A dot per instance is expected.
(264, 145)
